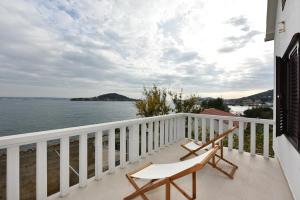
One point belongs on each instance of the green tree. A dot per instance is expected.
(188, 105)
(154, 102)
(217, 103)
(260, 112)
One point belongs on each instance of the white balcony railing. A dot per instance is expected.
(145, 135)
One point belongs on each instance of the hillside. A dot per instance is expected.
(105, 97)
(259, 98)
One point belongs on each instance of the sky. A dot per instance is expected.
(66, 48)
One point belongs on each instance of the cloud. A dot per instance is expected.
(178, 56)
(241, 22)
(234, 43)
(91, 47)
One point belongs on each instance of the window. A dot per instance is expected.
(283, 4)
(288, 93)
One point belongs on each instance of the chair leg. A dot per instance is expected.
(133, 183)
(168, 191)
(233, 170)
(194, 185)
(182, 191)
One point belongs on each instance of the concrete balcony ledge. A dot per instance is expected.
(257, 178)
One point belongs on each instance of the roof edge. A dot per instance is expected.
(271, 20)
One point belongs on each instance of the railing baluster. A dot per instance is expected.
(13, 173)
(211, 128)
(41, 170)
(253, 139)
(241, 137)
(99, 155)
(230, 136)
(274, 138)
(183, 129)
(166, 132)
(83, 160)
(178, 128)
(156, 132)
(122, 147)
(143, 148)
(189, 127)
(171, 131)
(175, 130)
(220, 126)
(64, 166)
(196, 133)
(133, 143)
(266, 140)
(111, 150)
(203, 130)
(161, 133)
(150, 137)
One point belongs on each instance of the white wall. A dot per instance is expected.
(288, 156)
(291, 16)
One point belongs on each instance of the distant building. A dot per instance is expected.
(214, 111)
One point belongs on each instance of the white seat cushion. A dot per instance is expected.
(159, 171)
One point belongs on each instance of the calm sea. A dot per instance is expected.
(23, 115)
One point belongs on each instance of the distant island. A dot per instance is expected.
(256, 99)
(105, 97)
(263, 98)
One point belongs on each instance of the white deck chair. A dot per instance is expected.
(193, 147)
(166, 174)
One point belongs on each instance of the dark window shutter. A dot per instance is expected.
(281, 123)
(283, 4)
(293, 109)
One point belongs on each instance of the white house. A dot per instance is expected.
(213, 111)
(283, 26)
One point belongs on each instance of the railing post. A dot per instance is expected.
(178, 122)
(203, 130)
(182, 128)
(98, 155)
(143, 142)
(253, 139)
(13, 173)
(122, 146)
(266, 140)
(274, 139)
(241, 136)
(189, 127)
(230, 136)
(161, 133)
(196, 127)
(171, 130)
(64, 166)
(176, 129)
(133, 143)
(220, 126)
(83, 160)
(166, 132)
(150, 137)
(41, 170)
(211, 128)
(111, 150)
(156, 132)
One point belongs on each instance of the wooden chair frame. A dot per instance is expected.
(155, 183)
(220, 157)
